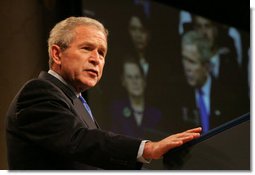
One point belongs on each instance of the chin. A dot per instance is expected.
(86, 85)
(191, 83)
(92, 84)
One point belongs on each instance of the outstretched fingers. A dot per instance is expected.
(194, 130)
(185, 137)
(155, 150)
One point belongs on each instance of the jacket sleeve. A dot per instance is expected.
(44, 117)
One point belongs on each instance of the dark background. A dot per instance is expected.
(233, 13)
(25, 25)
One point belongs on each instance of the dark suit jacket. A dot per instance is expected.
(124, 122)
(48, 128)
(229, 72)
(224, 106)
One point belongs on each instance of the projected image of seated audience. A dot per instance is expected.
(168, 69)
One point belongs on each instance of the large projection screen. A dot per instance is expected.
(149, 87)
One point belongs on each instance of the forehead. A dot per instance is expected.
(192, 48)
(201, 20)
(135, 21)
(131, 68)
(90, 33)
(190, 51)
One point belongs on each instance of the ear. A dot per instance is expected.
(56, 54)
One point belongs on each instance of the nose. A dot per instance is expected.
(94, 57)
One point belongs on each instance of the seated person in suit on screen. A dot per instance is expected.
(224, 66)
(132, 115)
(205, 102)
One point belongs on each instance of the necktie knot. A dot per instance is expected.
(82, 99)
(201, 92)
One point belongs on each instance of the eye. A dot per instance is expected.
(87, 48)
(101, 53)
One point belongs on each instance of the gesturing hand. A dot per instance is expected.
(155, 150)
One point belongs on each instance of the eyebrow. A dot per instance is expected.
(87, 43)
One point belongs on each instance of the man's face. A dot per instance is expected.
(133, 80)
(206, 28)
(138, 33)
(81, 64)
(196, 73)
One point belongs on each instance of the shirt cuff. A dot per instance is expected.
(140, 153)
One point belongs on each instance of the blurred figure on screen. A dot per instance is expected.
(224, 66)
(205, 101)
(132, 115)
(133, 40)
(139, 35)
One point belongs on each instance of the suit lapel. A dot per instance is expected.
(83, 113)
(75, 102)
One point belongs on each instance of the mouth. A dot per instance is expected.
(189, 77)
(92, 72)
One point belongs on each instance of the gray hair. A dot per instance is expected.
(62, 33)
(202, 44)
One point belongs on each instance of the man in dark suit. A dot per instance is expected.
(204, 100)
(224, 66)
(50, 125)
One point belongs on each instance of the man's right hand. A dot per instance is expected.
(155, 150)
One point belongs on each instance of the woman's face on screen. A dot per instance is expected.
(133, 80)
(138, 33)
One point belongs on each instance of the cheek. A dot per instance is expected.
(210, 36)
(200, 74)
(133, 37)
(145, 38)
(69, 69)
(197, 73)
(128, 86)
(141, 84)
(101, 67)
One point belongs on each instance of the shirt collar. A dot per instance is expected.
(206, 88)
(56, 75)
